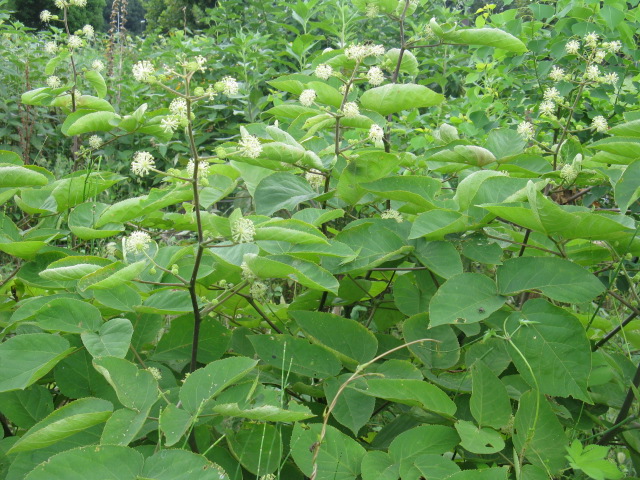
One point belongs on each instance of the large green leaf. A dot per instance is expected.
(26, 358)
(180, 465)
(413, 291)
(627, 188)
(464, 298)
(123, 426)
(174, 423)
(106, 461)
(353, 409)
(556, 351)
(264, 413)
(67, 315)
(339, 457)
(491, 37)
(112, 340)
(349, 340)
(64, 422)
(97, 82)
(85, 121)
(442, 353)
(205, 383)
(82, 222)
(27, 407)
(556, 278)
(539, 436)
(479, 440)
(258, 447)
(489, 402)
(282, 191)
(18, 176)
(394, 97)
(136, 389)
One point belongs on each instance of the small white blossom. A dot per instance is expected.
(572, 47)
(375, 76)
(60, 4)
(568, 173)
(45, 16)
(247, 273)
(323, 71)
(95, 142)
(258, 291)
(250, 146)
(170, 123)
(598, 57)
(155, 372)
(612, 47)
(351, 110)
(203, 168)
(50, 47)
(392, 214)
(599, 123)
(592, 73)
(315, 178)
(243, 230)
(178, 106)
(591, 39)
(74, 41)
(609, 78)
(552, 94)
(359, 52)
(143, 71)
(376, 133)
(525, 129)
(228, 86)
(372, 10)
(142, 163)
(137, 242)
(307, 97)
(53, 81)
(78, 3)
(557, 74)
(547, 108)
(376, 50)
(88, 31)
(97, 65)
(211, 91)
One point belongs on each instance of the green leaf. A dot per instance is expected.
(86, 121)
(353, 409)
(288, 235)
(377, 465)
(435, 224)
(258, 447)
(555, 346)
(112, 275)
(465, 298)
(441, 354)
(122, 298)
(264, 413)
(123, 427)
(281, 191)
(67, 315)
(592, 460)
(557, 278)
(205, 383)
(180, 465)
(76, 378)
(489, 403)
(466, 154)
(413, 291)
(285, 266)
(296, 355)
(82, 222)
(410, 445)
(416, 393)
(112, 340)
(491, 37)
(106, 461)
(26, 358)
(339, 457)
(436, 467)
(174, 423)
(18, 176)
(25, 408)
(627, 188)
(97, 82)
(441, 258)
(367, 167)
(409, 63)
(393, 98)
(136, 389)
(352, 342)
(539, 432)
(414, 189)
(64, 422)
(477, 439)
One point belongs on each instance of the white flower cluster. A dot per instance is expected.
(74, 41)
(372, 10)
(198, 63)
(307, 97)
(376, 133)
(97, 65)
(572, 47)
(88, 31)
(46, 16)
(137, 242)
(51, 48)
(142, 163)
(258, 291)
(359, 52)
(95, 142)
(178, 117)
(53, 81)
(392, 214)
(599, 124)
(525, 130)
(351, 110)
(315, 178)
(557, 74)
(250, 146)
(323, 71)
(375, 76)
(243, 230)
(203, 168)
(78, 3)
(143, 71)
(247, 273)
(228, 86)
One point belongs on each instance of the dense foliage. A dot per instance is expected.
(368, 239)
